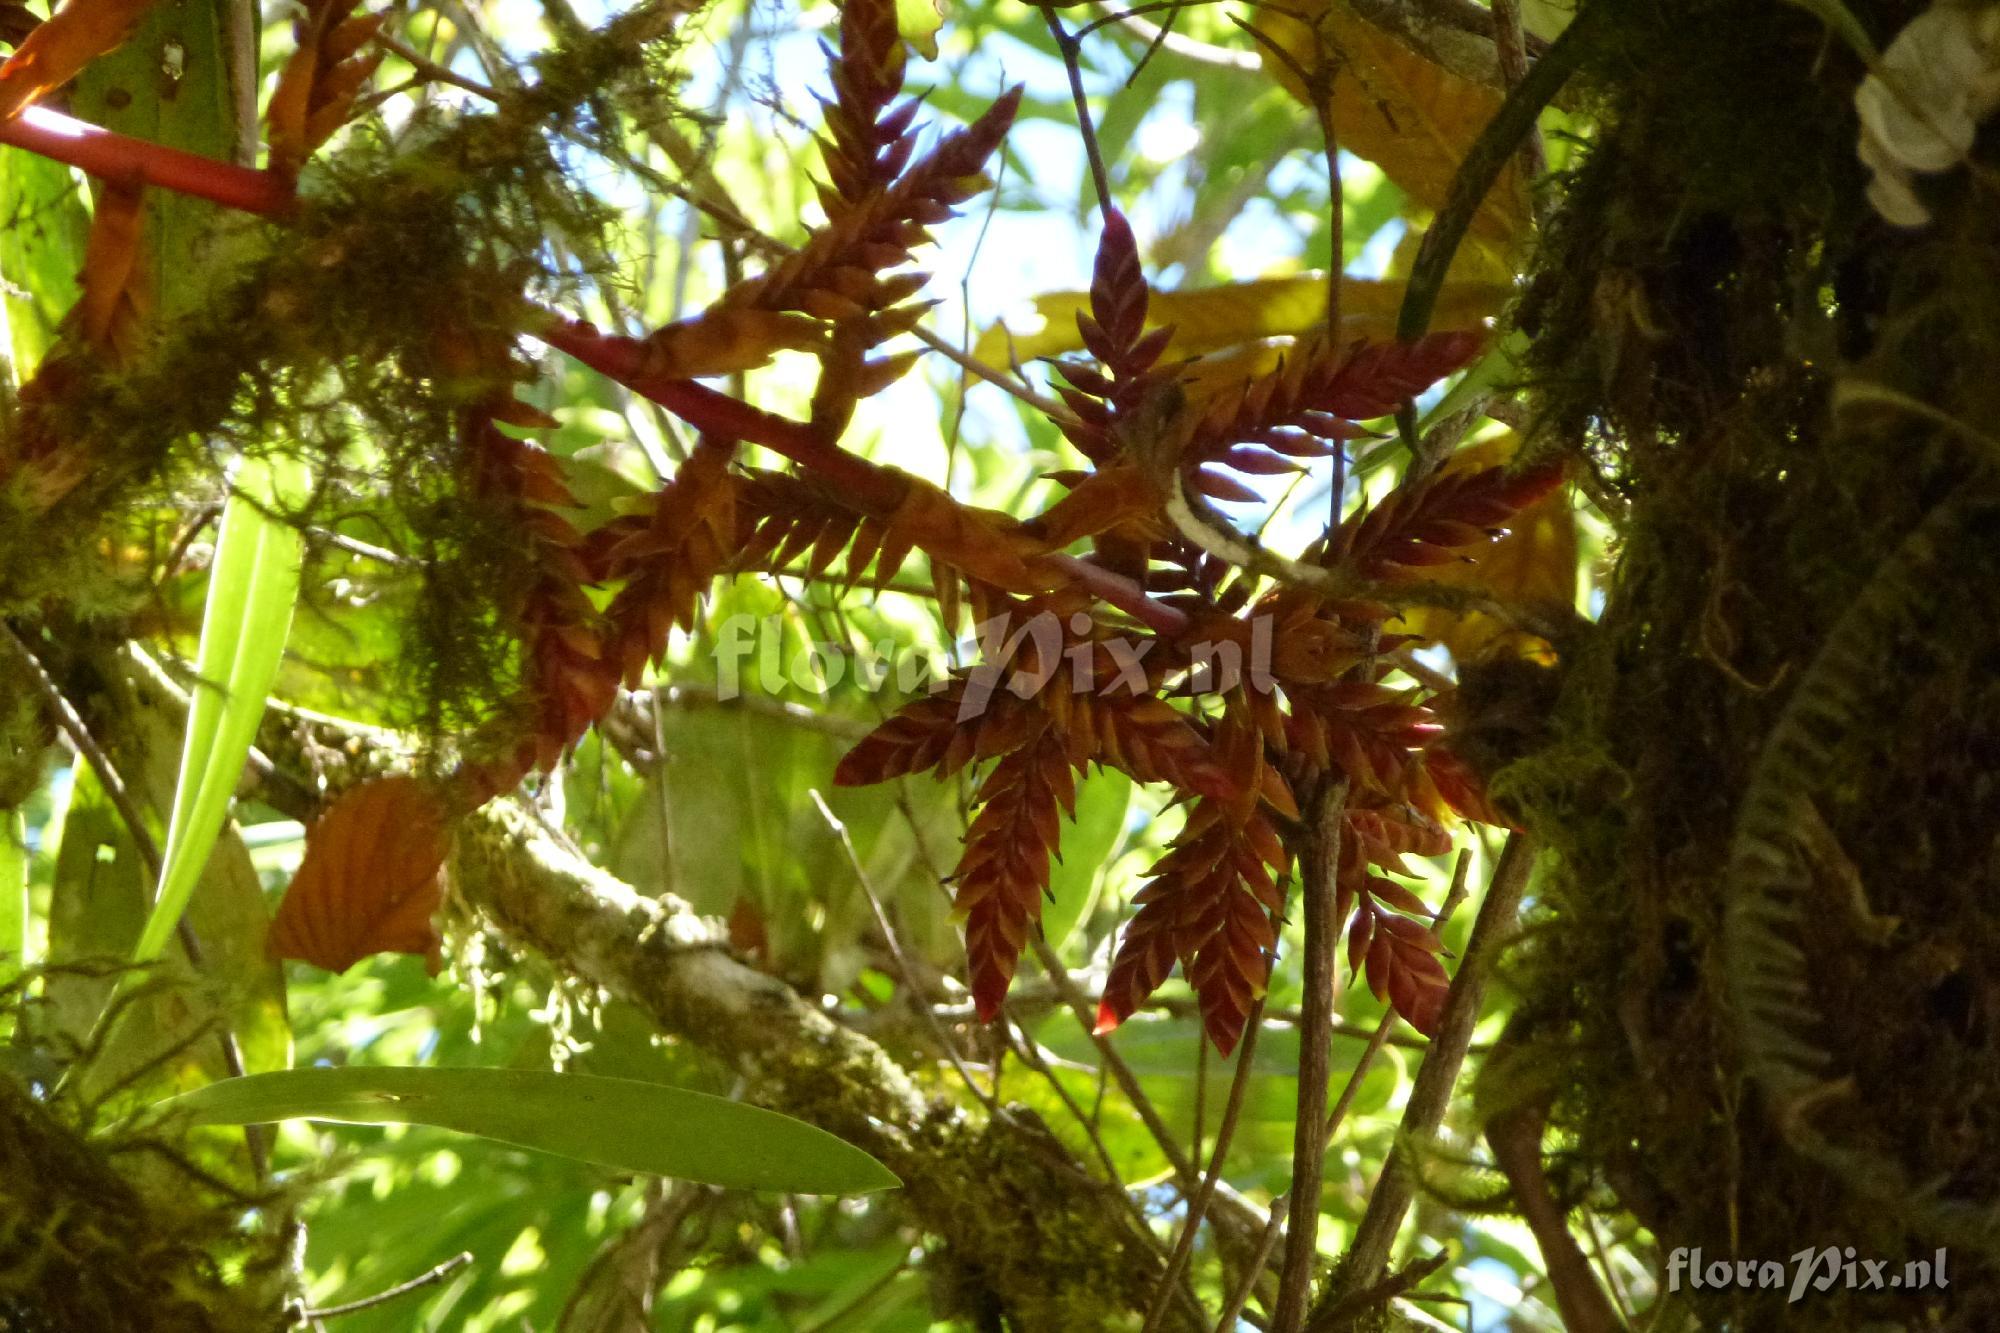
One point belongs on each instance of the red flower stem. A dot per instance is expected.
(1122, 593)
(121, 158)
(621, 359)
(866, 486)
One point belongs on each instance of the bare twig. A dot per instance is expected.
(72, 725)
(429, 1278)
(1389, 1288)
(1319, 869)
(1515, 1135)
(431, 70)
(1069, 47)
(1266, 1242)
(1431, 1093)
(1121, 1073)
(905, 973)
(1512, 50)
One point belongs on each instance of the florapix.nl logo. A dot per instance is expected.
(1022, 654)
(1810, 1270)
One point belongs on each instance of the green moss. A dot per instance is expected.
(1711, 271)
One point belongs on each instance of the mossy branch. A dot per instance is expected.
(1019, 1216)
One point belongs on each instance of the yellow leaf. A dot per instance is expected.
(1410, 117)
(918, 21)
(1240, 312)
(1534, 562)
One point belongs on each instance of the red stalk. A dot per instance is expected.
(119, 157)
(112, 156)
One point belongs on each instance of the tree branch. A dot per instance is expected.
(1015, 1210)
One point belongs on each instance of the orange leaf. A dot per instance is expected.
(370, 879)
(315, 89)
(985, 545)
(71, 38)
(726, 340)
(114, 297)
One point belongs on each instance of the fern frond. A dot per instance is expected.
(1769, 987)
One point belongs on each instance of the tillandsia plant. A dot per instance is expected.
(1290, 694)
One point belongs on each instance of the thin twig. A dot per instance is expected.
(906, 974)
(1268, 1241)
(72, 725)
(429, 1278)
(1197, 1207)
(1430, 1094)
(1511, 49)
(1389, 1288)
(1319, 869)
(433, 71)
(1121, 1073)
(1160, 35)
(1318, 83)
(1031, 1055)
(1026, 1047)
(1515, 1136)
(1070, 47)
(120, 796)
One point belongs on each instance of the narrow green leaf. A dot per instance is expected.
(252, 588)
(620, 1123)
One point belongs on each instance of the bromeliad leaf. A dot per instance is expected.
(623, 1124)
(252, 589)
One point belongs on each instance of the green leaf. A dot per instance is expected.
(43, 226)
(169, 83)
(620, 1123)
(253, 586)
(97, 904)
(1086, 848)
